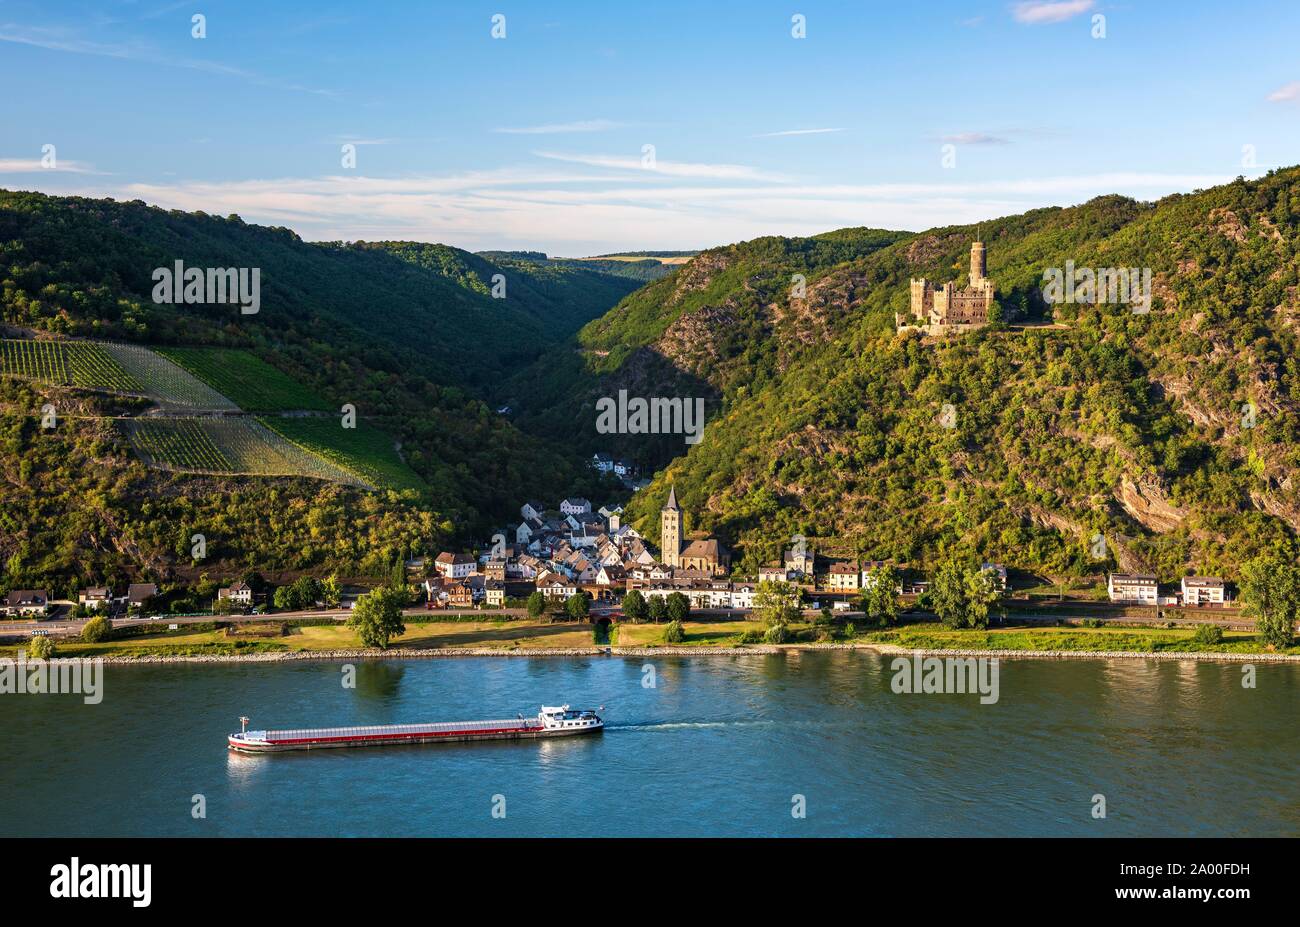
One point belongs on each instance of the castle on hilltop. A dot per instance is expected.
(939, 309)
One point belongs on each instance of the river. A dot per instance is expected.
(695, 746)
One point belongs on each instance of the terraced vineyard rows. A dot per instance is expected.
(170, 384)
(227, 444)
(246, 379)
(84, 364)
(365, 451)
(174, 443)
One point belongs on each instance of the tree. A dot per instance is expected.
(536, 604)
(948, 594)
(880, 601)
(95, 630)
(658, 609)
(577, 607)
(634, 607)
(283, 598)
(305, 592)
(963, 595)
(675, 633)
(981, 595)
(377, 617)
(331, 591)
(41, 648)
(679, 607)
(1270, 588)
(774, 603)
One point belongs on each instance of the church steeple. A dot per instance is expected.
(670, 531)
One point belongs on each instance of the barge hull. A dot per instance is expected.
(401, 739)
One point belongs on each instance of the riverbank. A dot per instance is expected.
(703, 638)
(671, 651)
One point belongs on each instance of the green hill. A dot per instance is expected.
(413, 349)
(1072, 420)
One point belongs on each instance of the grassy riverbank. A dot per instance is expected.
(527, 635)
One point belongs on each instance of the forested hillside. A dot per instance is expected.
(1172, 433)
(413, 348)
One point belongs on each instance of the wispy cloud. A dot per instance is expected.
(797, 132)
(583, 212)
(33, 166)
(661, 166)
(359, 140)
(1036, 12)
(562, 128)
(974, 138)
(61, 40)
(1287, 93)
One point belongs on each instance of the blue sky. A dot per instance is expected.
(536, 140)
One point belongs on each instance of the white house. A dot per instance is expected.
(530, 511)
(575, 506)
(454, 566)
(1204, 590)
(1137, 588)
(775, 574)
(844, 576)
(603, 462)
(238, 593)
(27, 602)
(999, 574)
(555, 586)
(742, 595)
(96, 598)
(611, 575)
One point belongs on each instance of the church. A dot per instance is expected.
(706, 555)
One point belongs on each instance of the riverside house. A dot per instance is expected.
(27, 603)
(1204, 590)
(844, 576)
(1134, 588)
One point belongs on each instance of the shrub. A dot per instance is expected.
(1208, 634)
(674, 633)
(751, 637)
(41, 648)
(96, 630)
(777, 634)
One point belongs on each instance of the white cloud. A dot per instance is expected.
(588, 212)
(974, 138)
(33, 166)
(560, 128)
(661, 166)
(1287, 93)
(1035, 12)
(797, 132)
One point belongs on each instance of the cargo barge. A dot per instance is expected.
(559, 721)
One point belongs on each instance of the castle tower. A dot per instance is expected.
(670, 531)
(977, 266)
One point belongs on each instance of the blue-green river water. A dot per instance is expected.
(720, 745)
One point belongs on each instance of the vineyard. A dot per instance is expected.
(164, 381)
(116, 368)
(227, 444)
(246, 379)
(84, 364)
(365, 451)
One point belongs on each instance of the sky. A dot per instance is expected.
(583, 128)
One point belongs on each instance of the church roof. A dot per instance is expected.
(671, 504)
